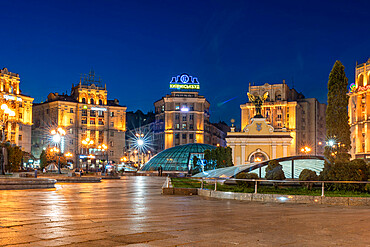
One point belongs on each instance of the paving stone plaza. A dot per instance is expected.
(132, 212)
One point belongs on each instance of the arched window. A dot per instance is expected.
(360, 80)
(278, 95)
(83, 100)
(100, 102)
(258, 157)
(92, 101)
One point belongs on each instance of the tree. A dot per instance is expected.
(15, 157)
(337, 126)
(308, 175)
(274, 171)
(218, 158)
(43, 159)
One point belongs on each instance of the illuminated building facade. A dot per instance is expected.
(183, 116)
(17, 126)
(359, 112)
(287, 110)
(85, 113)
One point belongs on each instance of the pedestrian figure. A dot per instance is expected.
(160, 170)
(35, 173)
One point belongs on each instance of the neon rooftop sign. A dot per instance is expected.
(185, 81)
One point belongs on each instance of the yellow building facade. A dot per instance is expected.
(359, 112)
(17, 125)
(85, 113)
(286, 109)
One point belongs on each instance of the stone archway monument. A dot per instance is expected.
(259, 140)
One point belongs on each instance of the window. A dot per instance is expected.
(184, 136)
(191, 108)
(177, 126)
(112, 113)
(184, 126)
(101, 113)
(84, 113)
(20, 115)
(92, 101)
(101, 122)
(279, 116)
(111, 153)
(177, 116)
(92, 120)
(20, 138)
(20, 127)
(112, 133)
(191, 136)
(162, 108)
(191, 126)
(83, 100)
(92, 113)
(111, 124)
(70, 131)
(83, 120)
(177, 136)
(47, 111)
(191, 116)
(71, 110)
(111, 143)
(183, 117)
(279, 125)
(71, 141)
(177, 107)
(100, 102)
(71, 121)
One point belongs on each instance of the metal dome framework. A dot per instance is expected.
(176, 159)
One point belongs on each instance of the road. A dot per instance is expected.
(132, 212)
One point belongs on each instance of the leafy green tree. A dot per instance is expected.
(218, 158)
(274, 171)
(337, 126)
(43, 159)
(15, 157)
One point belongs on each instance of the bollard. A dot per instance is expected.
(322, 189)
(215, 185)
(202, 184)
(255, 187)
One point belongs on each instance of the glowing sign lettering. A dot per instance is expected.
(11, 97)
(184, 81)
(98, 109)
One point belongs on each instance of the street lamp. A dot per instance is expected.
(56, 151)
(306, 150)
(87, 142)
(104, 148)
(7, 112)
(57, 135)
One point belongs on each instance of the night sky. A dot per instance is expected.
(137, 46)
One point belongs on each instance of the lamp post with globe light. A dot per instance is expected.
(104, 149)
(87, 142)
(57, 137)
(7, 112)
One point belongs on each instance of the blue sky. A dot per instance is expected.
(137, 46)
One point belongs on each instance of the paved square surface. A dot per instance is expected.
(132, 212)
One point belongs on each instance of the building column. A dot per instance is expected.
(274, 150)
(243, 153)
(232, 146)
(285, 150)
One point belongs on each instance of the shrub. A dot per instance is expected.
(308, 175)
(355, 170)
(274, 171)
(244, 175)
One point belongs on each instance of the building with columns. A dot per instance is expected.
(359, 112)
(17, 125)
(85, 114)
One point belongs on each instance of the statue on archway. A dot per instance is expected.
(258, 100)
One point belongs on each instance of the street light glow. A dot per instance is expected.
(56, 138)
(140, 142)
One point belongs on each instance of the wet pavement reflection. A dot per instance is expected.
(132, 211)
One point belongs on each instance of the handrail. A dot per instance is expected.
(276, 181)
